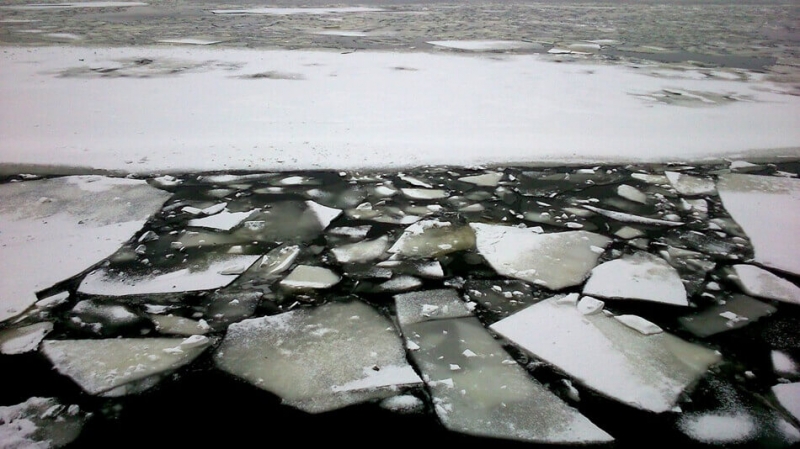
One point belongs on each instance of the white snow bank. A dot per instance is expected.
(368, 115)
(52, 229)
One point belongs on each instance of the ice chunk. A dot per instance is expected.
(400, 284)
(690, 185)
(324, 214)
(429, 305)
(319, 359)
(292, 11)
(307, 276)
(630, 218)
(486, 45)
(433, 238)
(71, 5)
(361, 251)
(51, 229)
(222, 221)
(627, 233)
(202, 276)
(490, 179)
(783, 364)
(761, 283)
(639, 324)
(641, 276)
(646, 372)
(424, 194)
(100, 366)
(737, 312)
(487, 394)
(588, 305)
(278, 260)
(768, 209)
(632, 193)
(177, 325)
(39, 423)
(351, 231)
(788, 396)
(716, 428)
(404, 403)
(555, 260)
(23, 339)
(224, 308)
(90, 311)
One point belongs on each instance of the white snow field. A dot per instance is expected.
(150, 109)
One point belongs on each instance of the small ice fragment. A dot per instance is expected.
(632, 194)
(588, 305)
(306, 276)
(639, 324)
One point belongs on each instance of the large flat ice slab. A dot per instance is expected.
(759, 282)
(768, 209)
(140, 124)
(477, 388)
(555, 261)
(648, 372)
(319, 359)
(52, 229)
(640, 276)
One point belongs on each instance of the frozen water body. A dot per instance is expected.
(648, 372)
(433, 238)
(477, 388)
(52, 229)
(768, 209)
(39, 423)
(641, 276)
(307, 276)
(555, 260)
(202, 275)
(737, 312)
(319, 359)
(761, 283)
(23, 339)
(108, 366)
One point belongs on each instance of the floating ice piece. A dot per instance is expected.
(307, 276)
(291, 11)
(486, 45)
(630, 218)
(627, 233)
(490, 179)
(404, 403)
(651, 178)
(783, 364)
(477, 388)
(91, 311)
(351, 231)
(690, 185)
(23, 339)
(429, 305)
(424, 194)
(647, 372)
(223, 220)
(361, 251)
(768, 209)
(224, 308)
(100, 366)
(189, 41)
(433, 238)
(632, 193)
(761, 283)
(788, 396)
(108, 282)
(319, 359)
(40, 423)
(589, 306)
(400, 283)
(71, 5)
(718, 428)
(737, 312)
(343, 33)
(177, 325)
(324, 214)
(51, 229)
(639, 324)
(278, 260)
(555, 260)
(641, 276)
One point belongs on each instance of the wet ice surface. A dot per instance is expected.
(335, 298)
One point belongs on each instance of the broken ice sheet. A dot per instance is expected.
(788, 396)
(308, 276)
(768, 209)
(555, 260)
(40, 423)
(738, 311)
(690, 185)
(363, 251)
(223, 220)
(107, 366)
(648, 372)
(201, 275)
(761, 283)
(319, 359)
(23, 339)
(52, 229)
(641, 276)
(433, 238)
(477, 388)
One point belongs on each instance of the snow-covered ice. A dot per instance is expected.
(640, 276)
(555, 260)
(307, 276)
(40, 423)
(319, 359)
(363, 251)
(761, 283)
(433, 238)
(649, 372)
(223, 220)
(788, 396)
(690, 185)
(23, 339)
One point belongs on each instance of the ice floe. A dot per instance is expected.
(40, 423)
(52, 229)
(319, 359)
(641, 276)
(363, 251)
(555, 260)
(310, 277)
(644, 371)
(223, 220)
(23, 339)
(736, 312)
(477, 388)
(631, 218)
(768, 209)
(433, 238)
(109, 366)
(761, 283)
(788, 396)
